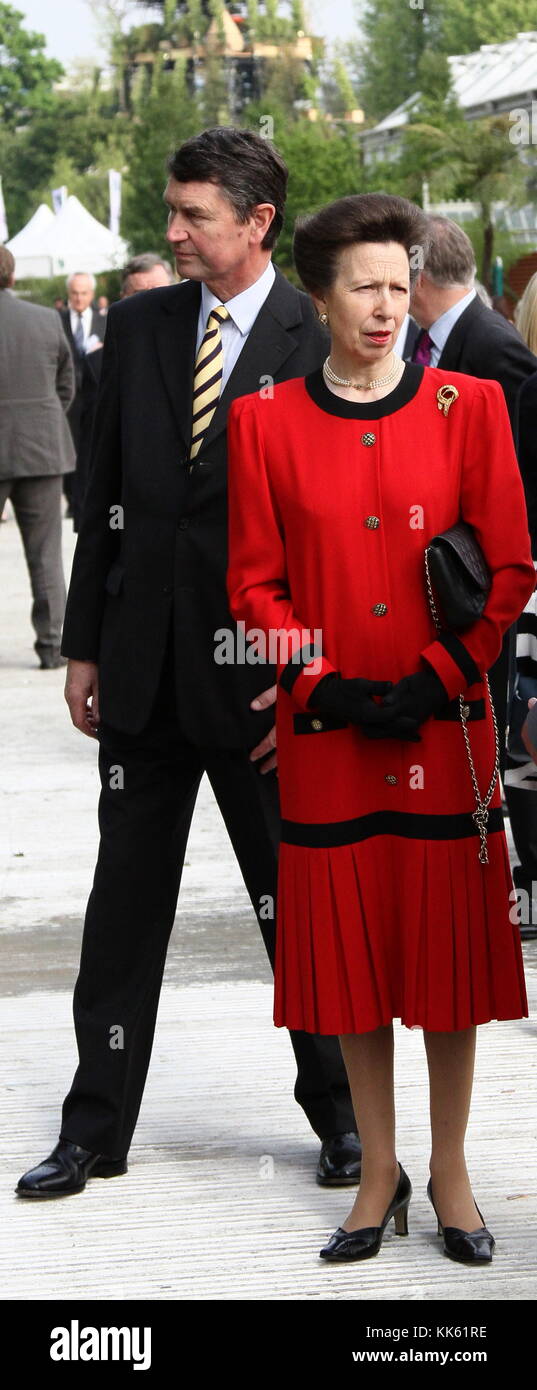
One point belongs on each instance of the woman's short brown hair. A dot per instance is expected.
(320, 237)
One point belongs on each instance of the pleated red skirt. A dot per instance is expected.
(395, 928)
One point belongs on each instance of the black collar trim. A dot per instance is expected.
(404, 392)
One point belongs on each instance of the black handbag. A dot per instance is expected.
(457, 570)
(459, 575)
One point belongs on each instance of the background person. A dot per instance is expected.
(145, 272)
(36, 451)
(84, 328)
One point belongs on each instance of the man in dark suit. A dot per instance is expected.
(460, 334)
(83, 326)
(146, 611)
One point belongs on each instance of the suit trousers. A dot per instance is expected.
(37, 506)
(144, 823)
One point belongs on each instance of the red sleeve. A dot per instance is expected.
(257, 582)
(492, 502)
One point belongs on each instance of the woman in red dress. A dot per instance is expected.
(338, 481)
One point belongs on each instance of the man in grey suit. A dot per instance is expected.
(37, 384)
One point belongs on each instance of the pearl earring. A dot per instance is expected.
(323, 318)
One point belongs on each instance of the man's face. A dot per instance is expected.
(205, 238)
(152, 279)
(80, 293)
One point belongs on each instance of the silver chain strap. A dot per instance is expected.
(480, 815)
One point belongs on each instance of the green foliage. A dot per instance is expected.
(323, 163)
(397, 35)
(162, 120)
(26, 74)
(82, 132)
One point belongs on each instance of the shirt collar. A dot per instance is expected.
(441, 329)
(244, 307)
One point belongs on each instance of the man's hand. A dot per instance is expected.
(262, 701)
(82, 695)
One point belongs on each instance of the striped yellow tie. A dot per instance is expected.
(207, 377)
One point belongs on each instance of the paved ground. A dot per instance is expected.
(220, 1201)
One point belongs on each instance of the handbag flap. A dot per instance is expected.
(461, 542)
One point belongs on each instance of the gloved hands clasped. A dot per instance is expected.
(404, 706)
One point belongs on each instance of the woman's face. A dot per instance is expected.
(368, 301)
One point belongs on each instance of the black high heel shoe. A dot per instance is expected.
(468, 1247)
(362, 1244)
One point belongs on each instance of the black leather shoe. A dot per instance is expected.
(340, 1162)
(468, 1247)
(66, 1170)
(367, 1240)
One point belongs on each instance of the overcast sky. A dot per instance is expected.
(70, 30)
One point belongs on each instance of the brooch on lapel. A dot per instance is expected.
(445, 396)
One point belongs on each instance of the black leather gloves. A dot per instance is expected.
(352, 700)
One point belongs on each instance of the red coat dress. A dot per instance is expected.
(384, 910)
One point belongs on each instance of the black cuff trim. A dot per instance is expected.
(312, 701)
(405, 823)
(453, 710)
(295, 666)
(461, 656)
(311, 724)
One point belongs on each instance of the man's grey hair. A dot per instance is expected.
(139, 265)
(88, 275)
(450, 259)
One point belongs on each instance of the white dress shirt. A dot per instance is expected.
(440, 331)
(87, 316)
(243, 310)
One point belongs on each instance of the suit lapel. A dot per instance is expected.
(175, 334)
(268, 345)
(451, 354)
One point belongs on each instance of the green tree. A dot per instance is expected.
(323, 162)
(26, 74)
(396, 36)
(162, 119)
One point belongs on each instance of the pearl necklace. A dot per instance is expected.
(330, 375)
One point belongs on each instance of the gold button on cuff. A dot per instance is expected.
(389, 777)
(379, 609)
(372, 522)
(316, 724)
(368, 439)
(466, 711)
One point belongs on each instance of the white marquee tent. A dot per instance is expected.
(60, 244)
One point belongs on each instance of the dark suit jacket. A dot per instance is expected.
(525, 432)
(482, 343)
(412, 334)
(91, 376)
(98, 325)
(171, 553)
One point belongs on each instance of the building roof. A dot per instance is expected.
(493, 78)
